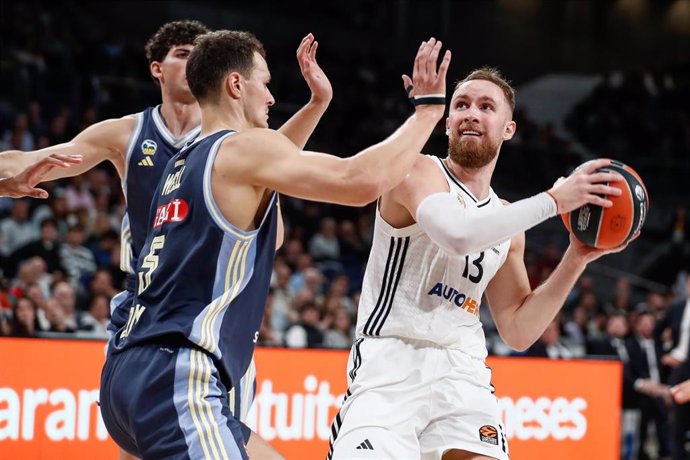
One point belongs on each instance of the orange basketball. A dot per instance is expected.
(606, 228)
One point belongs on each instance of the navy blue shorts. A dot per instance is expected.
(162, 401)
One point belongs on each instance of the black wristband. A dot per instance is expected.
(429, 100)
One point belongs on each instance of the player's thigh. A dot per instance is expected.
(387, 403)
(465, 415)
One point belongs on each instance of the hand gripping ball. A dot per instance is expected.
(606, 228)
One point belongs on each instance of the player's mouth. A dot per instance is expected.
(470, 133)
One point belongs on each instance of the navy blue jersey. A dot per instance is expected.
(150, 147)
(201, 281)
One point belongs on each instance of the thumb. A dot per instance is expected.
(407, 82)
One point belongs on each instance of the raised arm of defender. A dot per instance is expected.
(265, 159)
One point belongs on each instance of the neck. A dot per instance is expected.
(180, 117)
(222, 116)
(478, 180)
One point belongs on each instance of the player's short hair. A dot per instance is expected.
(171, 34)
(494, 76)
(215, 55)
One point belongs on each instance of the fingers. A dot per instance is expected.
(591, 166)
(599, 201)
(607, 176)
(312, 50)
(67, 159)
(445, 63)
(433, 59)
(37, 193)
(427, 70)
(305, 44)
(416, 70)
(605, 190)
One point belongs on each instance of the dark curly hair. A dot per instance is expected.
(172, 34)
(215, 55)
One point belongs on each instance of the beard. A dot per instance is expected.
(471, 154)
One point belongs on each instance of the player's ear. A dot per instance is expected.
(509, 130)
(233, 84)
(448, 126)
(156, 71)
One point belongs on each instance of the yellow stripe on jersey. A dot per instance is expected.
(205, 324)
(248, 384)
(192, 401)
(237, 264)
(207, 405)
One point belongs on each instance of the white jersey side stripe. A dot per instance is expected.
(391, 277)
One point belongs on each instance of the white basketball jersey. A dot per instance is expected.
(414, 289)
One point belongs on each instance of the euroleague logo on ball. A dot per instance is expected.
(606, 228)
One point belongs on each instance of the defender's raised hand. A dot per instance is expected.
(320, 86)
(427, 87)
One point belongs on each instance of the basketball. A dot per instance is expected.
(606, 228)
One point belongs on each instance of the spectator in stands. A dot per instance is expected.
(325, 248)
(47, 247)
(57, 318)
(78, 261)
(17, 230)
(645, 363)
(38, 297)
(22, 321)
(341, 333)
(95, 320)
(549, 344)
(64, 295)
(306, 332)
(281, 299)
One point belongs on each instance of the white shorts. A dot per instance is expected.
(413, 399)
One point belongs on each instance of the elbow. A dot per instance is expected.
(362, 188)
(520, 345)
(516, 341)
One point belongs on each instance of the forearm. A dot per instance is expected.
(302, 124)
(527, 322)
(462, 231)
(384, 165)
(12, 162)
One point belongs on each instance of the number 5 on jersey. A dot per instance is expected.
(150, 263)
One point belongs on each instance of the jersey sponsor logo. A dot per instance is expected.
(489, 434)
(172, 182)
(175, 211)
(148, 147)
(456, 297)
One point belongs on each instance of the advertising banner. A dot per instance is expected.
(49, 393)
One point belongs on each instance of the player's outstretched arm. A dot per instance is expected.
(106, 140)
(302, 124)
(352, 181)
(521, 315)
(24, 183)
